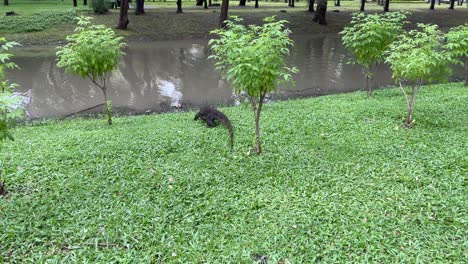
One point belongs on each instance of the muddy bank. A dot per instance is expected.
(165, 24)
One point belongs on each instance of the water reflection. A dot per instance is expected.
(162, 75)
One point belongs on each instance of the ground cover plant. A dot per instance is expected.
(352, 186)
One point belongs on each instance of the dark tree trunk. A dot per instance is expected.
(179, 6)
(363, 3)
(256, 3)
(5, 2)
(85, 2)
(223, 16)
(75, 3)
(291, 3)
(337, 3)
(432, 5)
(140, 7)
(242, 2)
(123, 18)
(387, 6)
(321, 12)
(311, 6)
(205, 4)
(200, 2)
(452, 3)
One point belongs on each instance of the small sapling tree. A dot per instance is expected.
(416, 57)
(10, 103)
(92, 52)
(368, 37)
(457, 46)
(253, 60)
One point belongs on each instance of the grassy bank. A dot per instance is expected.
(340, 181)
(49, 22)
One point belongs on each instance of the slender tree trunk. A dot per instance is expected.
(320, 15)
(223, 16)
(242, 2)
(85, 2)
(311, 6)
(258, 146)
(200, 2)
(387, 6)
(75, 3)
(414, 90)
(123, 18)
(363, 3)
(291, 3)
(140, 7)
(452, 3)
(432, 5)
(256, 3)
(337, 3)
(179, 6)
(5, 2)
(205, 6)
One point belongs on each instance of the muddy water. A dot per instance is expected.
(160, 76)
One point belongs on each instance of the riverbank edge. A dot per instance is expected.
(191, 109)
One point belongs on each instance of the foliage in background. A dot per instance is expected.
(457, 46)
(253, 59)
(417, 56)
(35, 22)
(92, 52)
(368, 37)
(10, 103)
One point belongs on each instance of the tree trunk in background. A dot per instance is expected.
(123, 18)
(179, 6)
(311, 6)
(140, 7)
(432, 5)
(452, 3)
(256, 3)
(5, 2)
(242, 2)
(291, 3)
(75, 3)
(199, 2)
(337, 3)
(387, 6)
(85, 2)
(363, 3)
(223, 16)
(321, 12)
(205, 6)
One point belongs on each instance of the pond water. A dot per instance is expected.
(160, 76)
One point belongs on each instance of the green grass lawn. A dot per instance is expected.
(340, 181)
